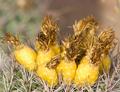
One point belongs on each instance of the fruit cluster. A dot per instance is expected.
(80, 59)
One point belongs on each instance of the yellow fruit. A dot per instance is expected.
(44, 56)
(67, 69)
(48, 75)
(86, 73)
(67, 66)
(26, 56)
(105, 64)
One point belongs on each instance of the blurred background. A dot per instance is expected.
(23, 17)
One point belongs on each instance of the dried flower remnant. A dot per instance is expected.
(106, 39)
(41, 41)
(87, 24)
(85, 34)
(53, 62)
(9, 38)
(49, 27)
